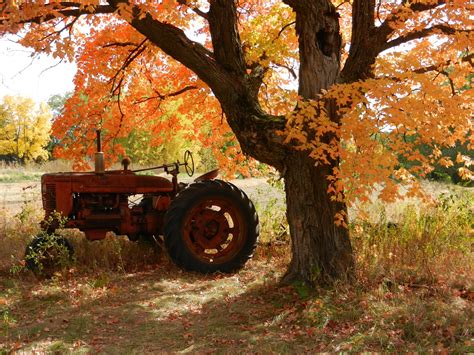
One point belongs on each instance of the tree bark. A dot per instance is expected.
(321, 250)
(317, 27)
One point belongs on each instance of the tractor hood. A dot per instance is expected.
(110, 182)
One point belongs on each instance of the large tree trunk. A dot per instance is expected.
(321, 250)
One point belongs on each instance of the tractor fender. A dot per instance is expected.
(208, 176)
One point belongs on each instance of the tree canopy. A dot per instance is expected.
(353, 85)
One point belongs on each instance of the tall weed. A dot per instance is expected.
(273, 224)
(114, 253)
(15, 233)
(425, 244)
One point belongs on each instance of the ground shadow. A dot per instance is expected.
(161, 310)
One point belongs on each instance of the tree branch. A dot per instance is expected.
(385, 30)
(134, 54)
(162, 97)
(225, 36)
(169, 38)
(422, 34)
(288, 68)
(198, 11)
(67, 26)
(57, 10)
(119, 44)
(284, 28)
(436, 67)
(360, 56)
(174, 42)
(223, 71)
(362, 18)
(294, 4)
(440, 69)
(369, 41)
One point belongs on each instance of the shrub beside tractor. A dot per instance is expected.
(209, 225)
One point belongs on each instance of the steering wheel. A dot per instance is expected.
(188, 163)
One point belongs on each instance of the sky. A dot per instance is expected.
(38, 78)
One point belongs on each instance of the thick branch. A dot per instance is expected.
(362, 18)
(362, 53)
(294, 4)
(225, 36)
(254, 129)
(319, 39)
(224, 72)
(174, 42)
(422, 34)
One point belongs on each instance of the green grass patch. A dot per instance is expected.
(11, 173)
(19, 176)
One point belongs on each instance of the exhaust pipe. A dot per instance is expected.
(99, 156)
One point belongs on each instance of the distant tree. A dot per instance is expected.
(56, 103)
(145, 146)
(24, 128)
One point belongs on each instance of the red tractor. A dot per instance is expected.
(209, 225)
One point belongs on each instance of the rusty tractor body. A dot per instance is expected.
(209, 225)
(99, 203)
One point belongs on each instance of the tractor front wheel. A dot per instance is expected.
(47, 254)
(211, 226)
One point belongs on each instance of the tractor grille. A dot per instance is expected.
(49, 198)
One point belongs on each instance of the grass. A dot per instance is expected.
(414, 292)
(13, 172)
(421, 244)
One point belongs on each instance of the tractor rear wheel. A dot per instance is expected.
(211, 226)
